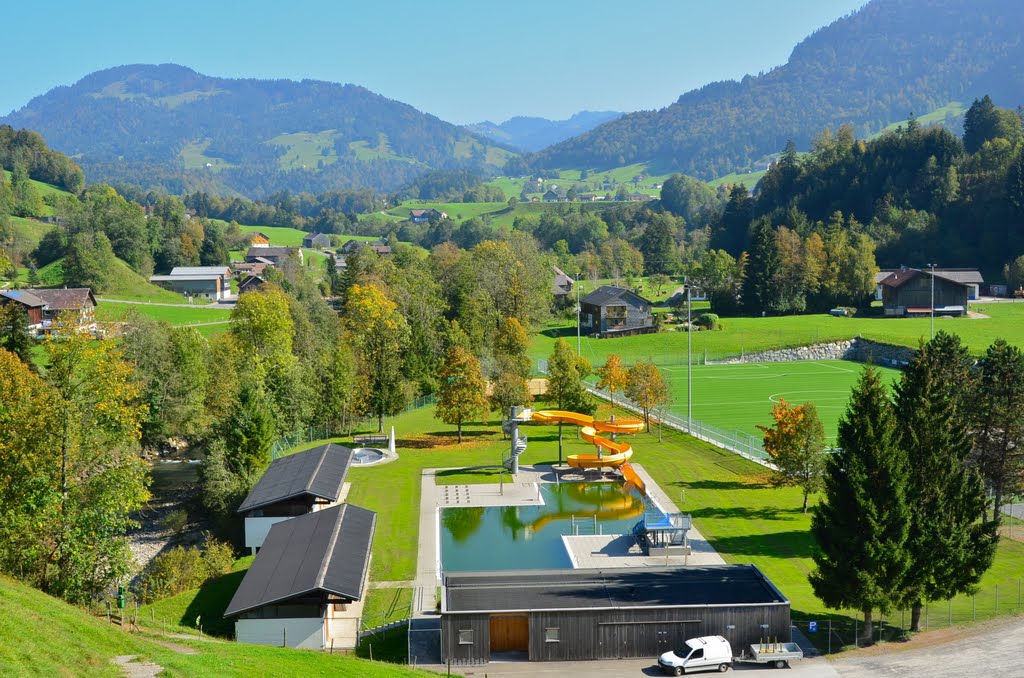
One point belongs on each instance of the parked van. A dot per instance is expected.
(709, 653)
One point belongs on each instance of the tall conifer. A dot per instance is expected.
(862, 524)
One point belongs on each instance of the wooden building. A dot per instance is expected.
(573, 615)
(294, 485)
(612, 311)
(274, 255)
(909, 291)
(304, 586)
(44, 305)
(313, 240)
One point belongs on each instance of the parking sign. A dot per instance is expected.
(812, 627)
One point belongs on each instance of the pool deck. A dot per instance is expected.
(585, 551)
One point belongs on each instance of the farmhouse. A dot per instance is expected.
(571, 615)
(258, 239)
(304, 586)
(250, 283)
(316, 240)
(562, 285)
(301, 483)
(208, 282)
(908, 291)
(968, 276)
(551, 196)
(423, 216)
(612, 311)
(44, 305)
(274, 255)
(380, 247)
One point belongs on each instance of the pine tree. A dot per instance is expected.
(949, 544)
(862, 524)
(759, 291)
(998, 421)
(250, 433)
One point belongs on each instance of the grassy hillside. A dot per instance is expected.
(45, 190)
(125, 284)
(43, 636)
(28, 232)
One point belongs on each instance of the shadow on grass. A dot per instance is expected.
(556, 332)
(445, 439)
(718, 485)
(470, 471)
(209, 605)
(746, 513)
(791, 544)
(388, 646)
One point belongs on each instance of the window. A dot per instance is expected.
(465, 636)
(551, 635)
(697, 654)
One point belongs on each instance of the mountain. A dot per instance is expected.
(169, 126)
(533, 134)
(870, 68)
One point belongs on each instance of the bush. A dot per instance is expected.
(708, 321)
(181, 569)
(175, 521)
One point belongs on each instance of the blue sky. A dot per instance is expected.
(461, 60)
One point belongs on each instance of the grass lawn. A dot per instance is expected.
(44, 636)
(280, 236)
(111, 311)
(385, 605)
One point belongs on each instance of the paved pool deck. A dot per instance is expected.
(524, 490)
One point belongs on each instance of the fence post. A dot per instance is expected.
(950, 611)
(997, 598)
(830, 635)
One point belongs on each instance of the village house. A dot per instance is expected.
(258, 239)
(908, 292)
(611, 311)
(425, 215)
(316, 240)
(42, 306)
(380, 247)
(206, 282)
(562, 285)
(275, 256)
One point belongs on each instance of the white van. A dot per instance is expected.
(709, 653)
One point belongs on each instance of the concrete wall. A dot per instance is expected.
(303, 633)
(859, 350)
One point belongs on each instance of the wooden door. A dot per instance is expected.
(510, 633)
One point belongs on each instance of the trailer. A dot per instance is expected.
(777, 654)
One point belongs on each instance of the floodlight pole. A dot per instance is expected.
(689, 366)
(577, 315)
(932, 267)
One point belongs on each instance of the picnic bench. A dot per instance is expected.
(370, 439)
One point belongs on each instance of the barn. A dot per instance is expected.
(572, 615)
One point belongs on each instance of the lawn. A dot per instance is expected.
(111, 311)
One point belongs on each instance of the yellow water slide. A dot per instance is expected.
(617, 453)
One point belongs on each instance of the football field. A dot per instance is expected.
(739, 397)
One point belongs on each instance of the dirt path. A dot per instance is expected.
(987, 649)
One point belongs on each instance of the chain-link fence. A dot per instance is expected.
(833, 634)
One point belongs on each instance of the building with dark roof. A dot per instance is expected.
(207, 282)
(422, 216)
(380, 247)
(44, 305)
(612, 311)
(272, 255)
(316, 240)
(562, 285)
(294, 485)
(298, 590)
(910, 291)
(614, 613)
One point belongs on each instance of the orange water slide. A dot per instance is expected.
(618, 453)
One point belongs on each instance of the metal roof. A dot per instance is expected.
(608, 293)
(22, 297)
(200, 270)
(608, 588)
(964, 276)
(319, 472)
(185, 278)
(322, 552)
(69, 298)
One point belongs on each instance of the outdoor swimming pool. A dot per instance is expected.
(530, 537)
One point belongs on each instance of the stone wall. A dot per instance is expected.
(859, 350)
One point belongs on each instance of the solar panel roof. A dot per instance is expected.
(319, 472)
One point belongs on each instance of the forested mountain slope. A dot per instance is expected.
(871, 68)
(532, 134)
(172, 127)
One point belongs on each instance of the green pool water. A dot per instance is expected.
(530, 537)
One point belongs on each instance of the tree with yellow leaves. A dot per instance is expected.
(380, 333)
(613, 376)
(796, 443)
(461, 388)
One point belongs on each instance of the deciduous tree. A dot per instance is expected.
(796, 443)
(613, 376)
(646, 387)
(461, 388)
(566, 372)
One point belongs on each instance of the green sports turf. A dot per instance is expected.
(739, 397)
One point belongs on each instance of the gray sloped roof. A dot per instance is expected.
(608, 293)
(23, 297)
(319, 472)
(608, 588)
(68, 298)
(322, 552)
(965, 276)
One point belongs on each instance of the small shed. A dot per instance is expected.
(299, 588)
(273, 255)
(294, 485)
(611, 311)
(618, 613)
(313, 240)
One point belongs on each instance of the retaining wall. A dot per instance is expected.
(859, 350)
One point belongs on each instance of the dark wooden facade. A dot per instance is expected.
(617, 632)
(910, 293)
(615, 311)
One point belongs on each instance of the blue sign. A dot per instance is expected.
(812, 627)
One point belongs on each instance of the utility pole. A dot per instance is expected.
(932, 267)
(689, 365)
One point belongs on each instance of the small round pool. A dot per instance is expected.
(365, 456)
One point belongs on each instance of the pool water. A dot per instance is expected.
(530, 537)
